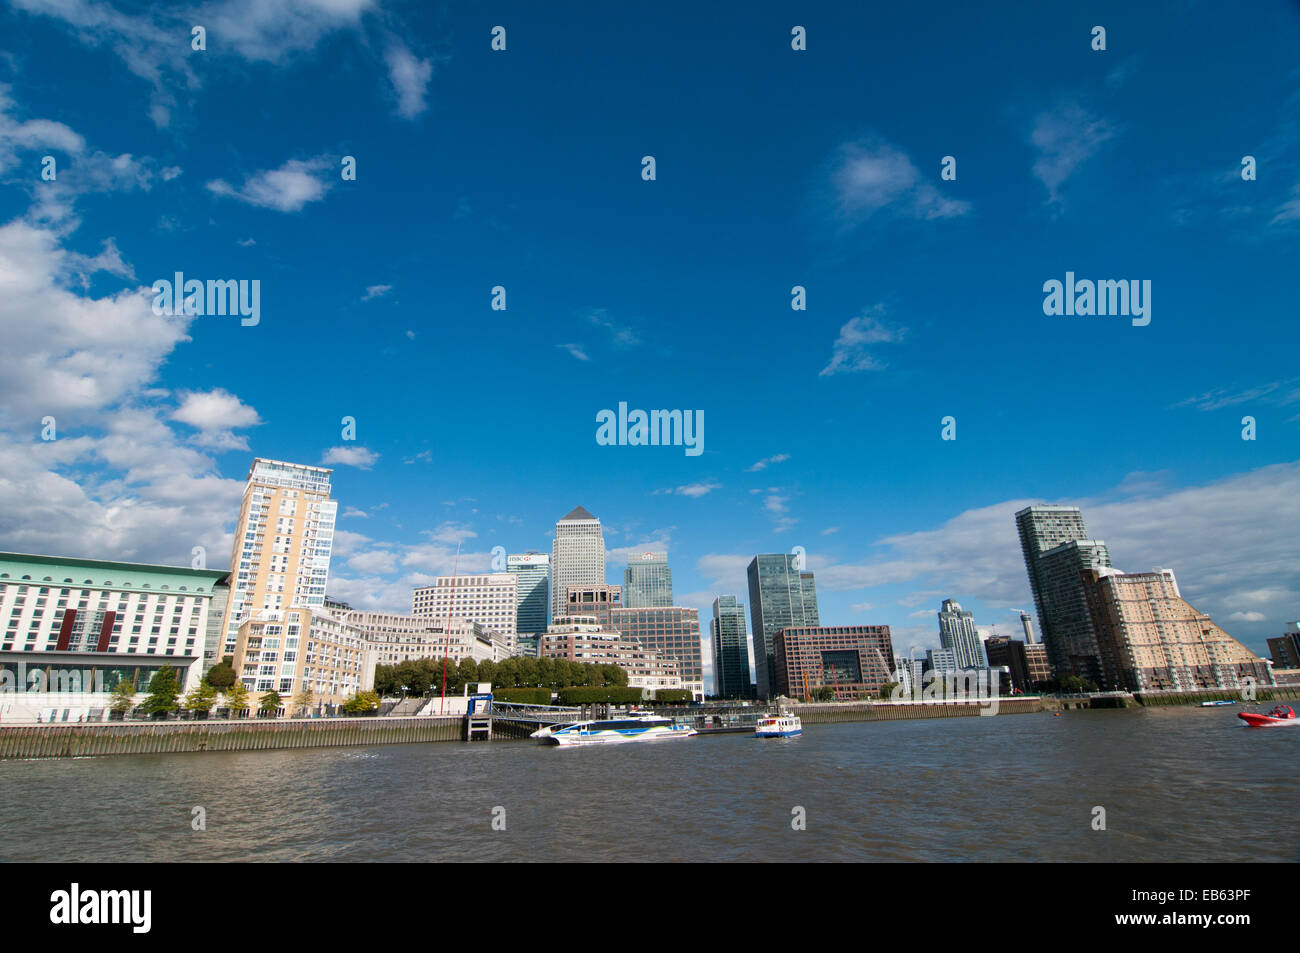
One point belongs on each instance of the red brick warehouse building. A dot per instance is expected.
(854, 660)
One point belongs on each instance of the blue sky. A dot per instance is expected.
(774, 168)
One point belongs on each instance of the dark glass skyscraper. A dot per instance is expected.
(730, 649)
(1057, 550)
(780, 596)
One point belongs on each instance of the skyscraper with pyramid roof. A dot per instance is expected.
(577, 557)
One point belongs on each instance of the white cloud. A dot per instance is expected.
(216, 414)
(374, 562)
(410, 77)
(622, 336)
(451, 533)
(1273, 393)
(1231, 543)
(349, 456)
(768, 461)
(857, 335)
(377, 291)
(1288, 211)
(693, 490)
(1065, 137)
(31, 135)
(64, 354)
(286, 189)
(117, 482)
(575, 350)
(874, 176)
(155, 45)
(272, 32)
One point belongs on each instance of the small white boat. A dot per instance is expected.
(778, 726)
(1216, 704)
(634, 726)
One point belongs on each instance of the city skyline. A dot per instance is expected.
(616, 294)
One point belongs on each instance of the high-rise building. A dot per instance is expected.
(851, 660)
(730, 649)
(1028, 625)
(490, 599)
(281, 554)
(1057, 550)
(957, 634)
(72, 629)
(647, 581)
(583, 639)
(671, 632)
(1068, 630)
(534, 591)
(1285, 649)
(1151, 639)
(780, 596)
(577, 557)
(598, 601)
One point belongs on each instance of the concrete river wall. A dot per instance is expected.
(82, 740)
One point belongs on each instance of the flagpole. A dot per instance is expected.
(451, 601)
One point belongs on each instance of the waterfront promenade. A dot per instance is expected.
(71, 740)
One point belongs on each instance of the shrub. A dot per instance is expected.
(526, 696)
(581, 695)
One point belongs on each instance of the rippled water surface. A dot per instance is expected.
(1182, 784)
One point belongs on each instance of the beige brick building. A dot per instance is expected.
(1150, 638)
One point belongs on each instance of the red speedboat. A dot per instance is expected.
(1281, 715)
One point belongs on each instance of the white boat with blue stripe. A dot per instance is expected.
(634, 726)
(778, 726)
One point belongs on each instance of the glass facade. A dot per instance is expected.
(730, 649)
(780, 596)
(534, 591)
(648, 582)
(84, 676)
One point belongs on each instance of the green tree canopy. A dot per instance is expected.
(163, 691)
(201, 697)
(362, 702)
(123, 696)
(221, 676)
(237, 697)
(270, 703)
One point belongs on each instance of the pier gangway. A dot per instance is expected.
(539, 715)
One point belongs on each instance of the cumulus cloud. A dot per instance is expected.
(1231, 543)
(216, 414)
(286, 189)
(117, 482)
(410, 77)
(350, 456)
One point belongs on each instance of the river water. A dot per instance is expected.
(1177, 784)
